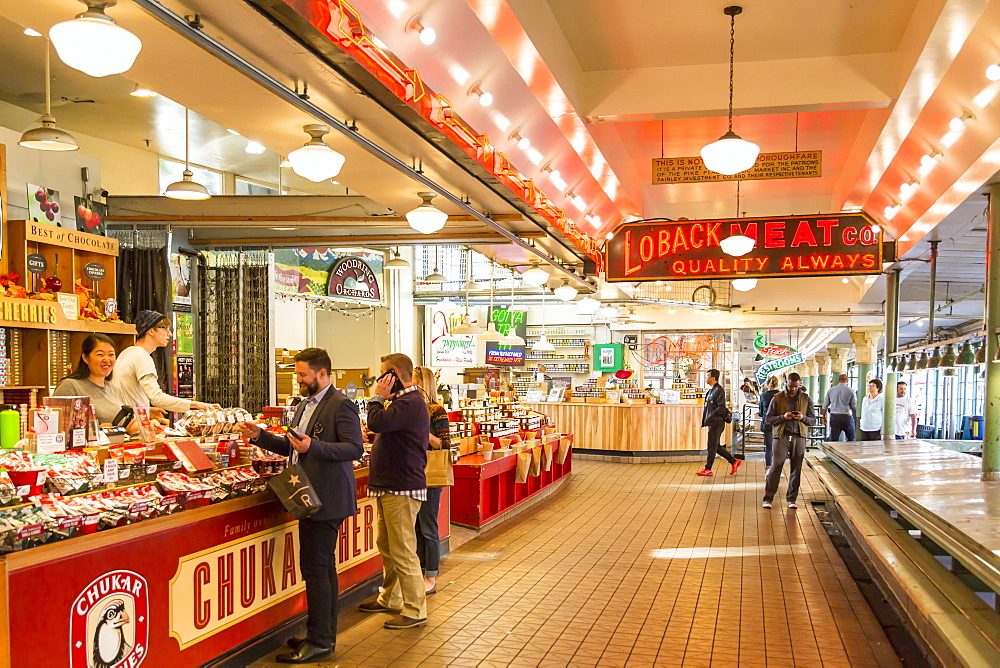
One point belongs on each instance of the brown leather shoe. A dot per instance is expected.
(375, 606)
(401, 622)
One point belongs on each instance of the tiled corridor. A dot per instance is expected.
(639, 565)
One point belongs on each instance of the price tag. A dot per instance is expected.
(79, 438)
(111, 470)
(51, 443)
(95, 271)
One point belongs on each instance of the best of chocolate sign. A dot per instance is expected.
(824, 245)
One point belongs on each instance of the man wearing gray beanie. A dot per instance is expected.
(135, 376)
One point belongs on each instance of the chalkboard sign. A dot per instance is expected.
(95, 271)
(37, 264)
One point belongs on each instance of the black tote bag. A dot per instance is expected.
(293, 489)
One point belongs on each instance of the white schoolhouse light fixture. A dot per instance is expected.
(315, 160)
(426, 218)
(94, 43)
(731, 154)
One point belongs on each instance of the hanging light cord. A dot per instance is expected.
(732, 54)
(737, 199)
(48, 81)
(187, 140)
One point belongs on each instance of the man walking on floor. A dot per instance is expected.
(791, 414)
(397, 482)
(714, 416)
(838, 410)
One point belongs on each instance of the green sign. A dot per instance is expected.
(508, 321)
(184, 333)
(777, 357)
(609, 357)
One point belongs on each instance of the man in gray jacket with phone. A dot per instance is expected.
(790, 415)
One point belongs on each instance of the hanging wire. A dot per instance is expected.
(662, 124)
(738, 199)
(796, 132)
(732, 55)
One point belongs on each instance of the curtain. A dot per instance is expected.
(144, 282)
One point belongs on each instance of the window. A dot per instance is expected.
(247, 187)
(172, 171)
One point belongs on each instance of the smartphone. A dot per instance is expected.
(296, 433)
(396, 386)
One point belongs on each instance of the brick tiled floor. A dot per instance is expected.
(639, 565)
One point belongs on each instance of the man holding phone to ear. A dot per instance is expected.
(325, 434)
(397, 482)
(790, 414)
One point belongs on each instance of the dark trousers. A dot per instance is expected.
(841, 424)
(318, 562)
(792, 448)
(428, 538)
(715, 446)
(871, 435)
(768, 443)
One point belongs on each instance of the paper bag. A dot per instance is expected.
(439, 469)
(536, 461)
(564, 445)
(547, 456)
(523, 464)
(296, 493)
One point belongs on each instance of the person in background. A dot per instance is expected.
(397, 482)
(331, 440)
(544, 380)
(713, 417)
(840, 406)
(136, 381)
(770, 389)
(428, 538)
(872, 408)
(906, 413)
(791, 414)
(92, 377)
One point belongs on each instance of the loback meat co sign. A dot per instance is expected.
(825, 245)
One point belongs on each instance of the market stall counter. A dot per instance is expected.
(631, 429)
(487, 489)
(209, 585)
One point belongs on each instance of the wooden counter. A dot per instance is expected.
(623, 428)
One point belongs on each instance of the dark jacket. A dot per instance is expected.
(715, 407)
(765, 403)
(781, 404)
(335, 430)
(399, 455)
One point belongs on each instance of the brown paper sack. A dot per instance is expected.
(536, 461)
(564, 445)
(439, 471)
(547, 456)
(549, 430)
(504, 442)
(528, 435)
(523, 464)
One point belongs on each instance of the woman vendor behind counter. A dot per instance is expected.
(91, 379)
(136, 380)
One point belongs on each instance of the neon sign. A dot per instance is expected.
(823, 245)
(778, 357)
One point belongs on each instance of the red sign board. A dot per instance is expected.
(351, 277)
(822, 245)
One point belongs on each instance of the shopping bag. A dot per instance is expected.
(536, 461)
(439, 469)
(523, 464)
(564, 445)
(293, 489)
(547, 456)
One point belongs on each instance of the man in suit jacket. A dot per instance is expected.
(331, 440)
(713, 417)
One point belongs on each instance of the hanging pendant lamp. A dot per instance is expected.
(94, 43)
(536, 276)
(48, 137)
(981, 353)
(565, 292)
(587, 306)
(426, 218)
(966, 357)
(731, 154)
(744, 284)
(187, 188)
(922, 361)
(396, 263)
(467, 326)
(491, 334)
(934, 361)
(315, 160)
(436, 276)
(911, 364)
(949, 359)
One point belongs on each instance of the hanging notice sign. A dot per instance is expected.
(454, 350)
(789, 165)
(822, 245)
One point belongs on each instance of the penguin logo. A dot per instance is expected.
(109, 622)
(109, 644)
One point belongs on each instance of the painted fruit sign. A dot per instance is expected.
(352, 277)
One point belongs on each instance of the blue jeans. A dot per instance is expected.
(768, 443)
(428, 540)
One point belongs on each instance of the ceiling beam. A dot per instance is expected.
(360, 240)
